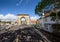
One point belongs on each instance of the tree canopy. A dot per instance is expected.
(45, 3)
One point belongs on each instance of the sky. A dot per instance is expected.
(14, 7)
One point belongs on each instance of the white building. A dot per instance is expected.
(46, 22)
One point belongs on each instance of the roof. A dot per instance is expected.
(23, 14)
(47, 14)
(34, 21)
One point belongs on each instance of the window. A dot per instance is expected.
(45, 19)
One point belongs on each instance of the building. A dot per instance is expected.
(5, 22)
(46, 22)
(34, 22)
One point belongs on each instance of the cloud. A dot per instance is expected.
(34, 17)
(12, 17)
(17, 4)
(1, 16)
(20, 1)
(8, 17)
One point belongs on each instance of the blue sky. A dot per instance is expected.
(10, 8)
(18, 7)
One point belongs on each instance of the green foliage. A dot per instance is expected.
(58, 3)
(53, 16)
(41, 5)
(58, 13)
(44, 3)
(36, 25)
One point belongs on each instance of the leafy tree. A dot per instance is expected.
(58, 14)
(53, 16)
(45, 3)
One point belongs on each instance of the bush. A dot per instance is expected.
(36, 25)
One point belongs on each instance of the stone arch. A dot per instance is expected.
(23, 20)
(25, 16)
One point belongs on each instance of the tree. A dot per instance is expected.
(53, 16)
(45, 3)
